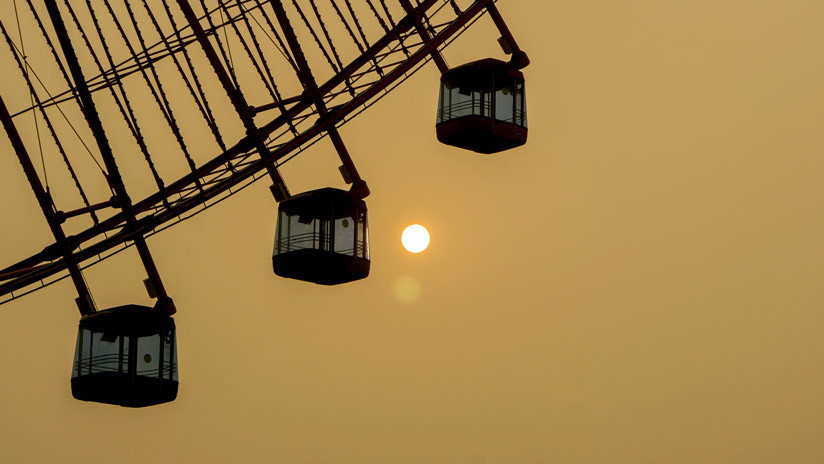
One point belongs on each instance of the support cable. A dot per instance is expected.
(115, 181)
(52, 131)
(346, 25)
(197, 95)
(275, 93)
(68, 83)
(226, 60)
(253, 139)
(315, 35)
(251, 168)
(31, 97)
(348, 170)
(352, 33)
(231, 62)
(163, 100)
(359, 28)
(52, 48)
(220, 141)
(279, 45)
(260, 72)
(125, 106)
(394, 27)
(377, 16)
(331, 44)
(130, 66)
(63, 247)
(112, 82)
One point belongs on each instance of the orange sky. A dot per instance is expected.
(640, 283)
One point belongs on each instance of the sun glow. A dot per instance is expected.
(415, 238)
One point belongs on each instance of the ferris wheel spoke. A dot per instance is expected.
(85, 303)
(303, 119)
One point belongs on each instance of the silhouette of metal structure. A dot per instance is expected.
(259, 81)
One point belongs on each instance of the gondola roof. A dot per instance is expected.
(128, 320)
(322, 202)
(479, 74)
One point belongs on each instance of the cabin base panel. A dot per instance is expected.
(481, 134)
(320, 267)
(122, 390)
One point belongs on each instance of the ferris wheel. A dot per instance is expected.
(199, 99)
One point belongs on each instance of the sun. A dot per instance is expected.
(415, 238)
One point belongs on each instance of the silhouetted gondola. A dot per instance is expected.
(126, 356)
(482, 107)
(322, 237)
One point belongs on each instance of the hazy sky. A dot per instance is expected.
(640, 283)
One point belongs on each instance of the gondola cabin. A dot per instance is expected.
(482, 107)
(126, 356)
(322, 237)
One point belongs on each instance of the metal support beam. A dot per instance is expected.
(519, 59)
(35, 271)
(281, 104)
(63, 215)
(424, 33)
(244, 111)
(113, 173)
(310, 86)
(84, 300)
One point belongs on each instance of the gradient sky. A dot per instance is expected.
(640, 283)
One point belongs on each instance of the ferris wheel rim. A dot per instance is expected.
(120, 241)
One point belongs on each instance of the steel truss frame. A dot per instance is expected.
(317, 112)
